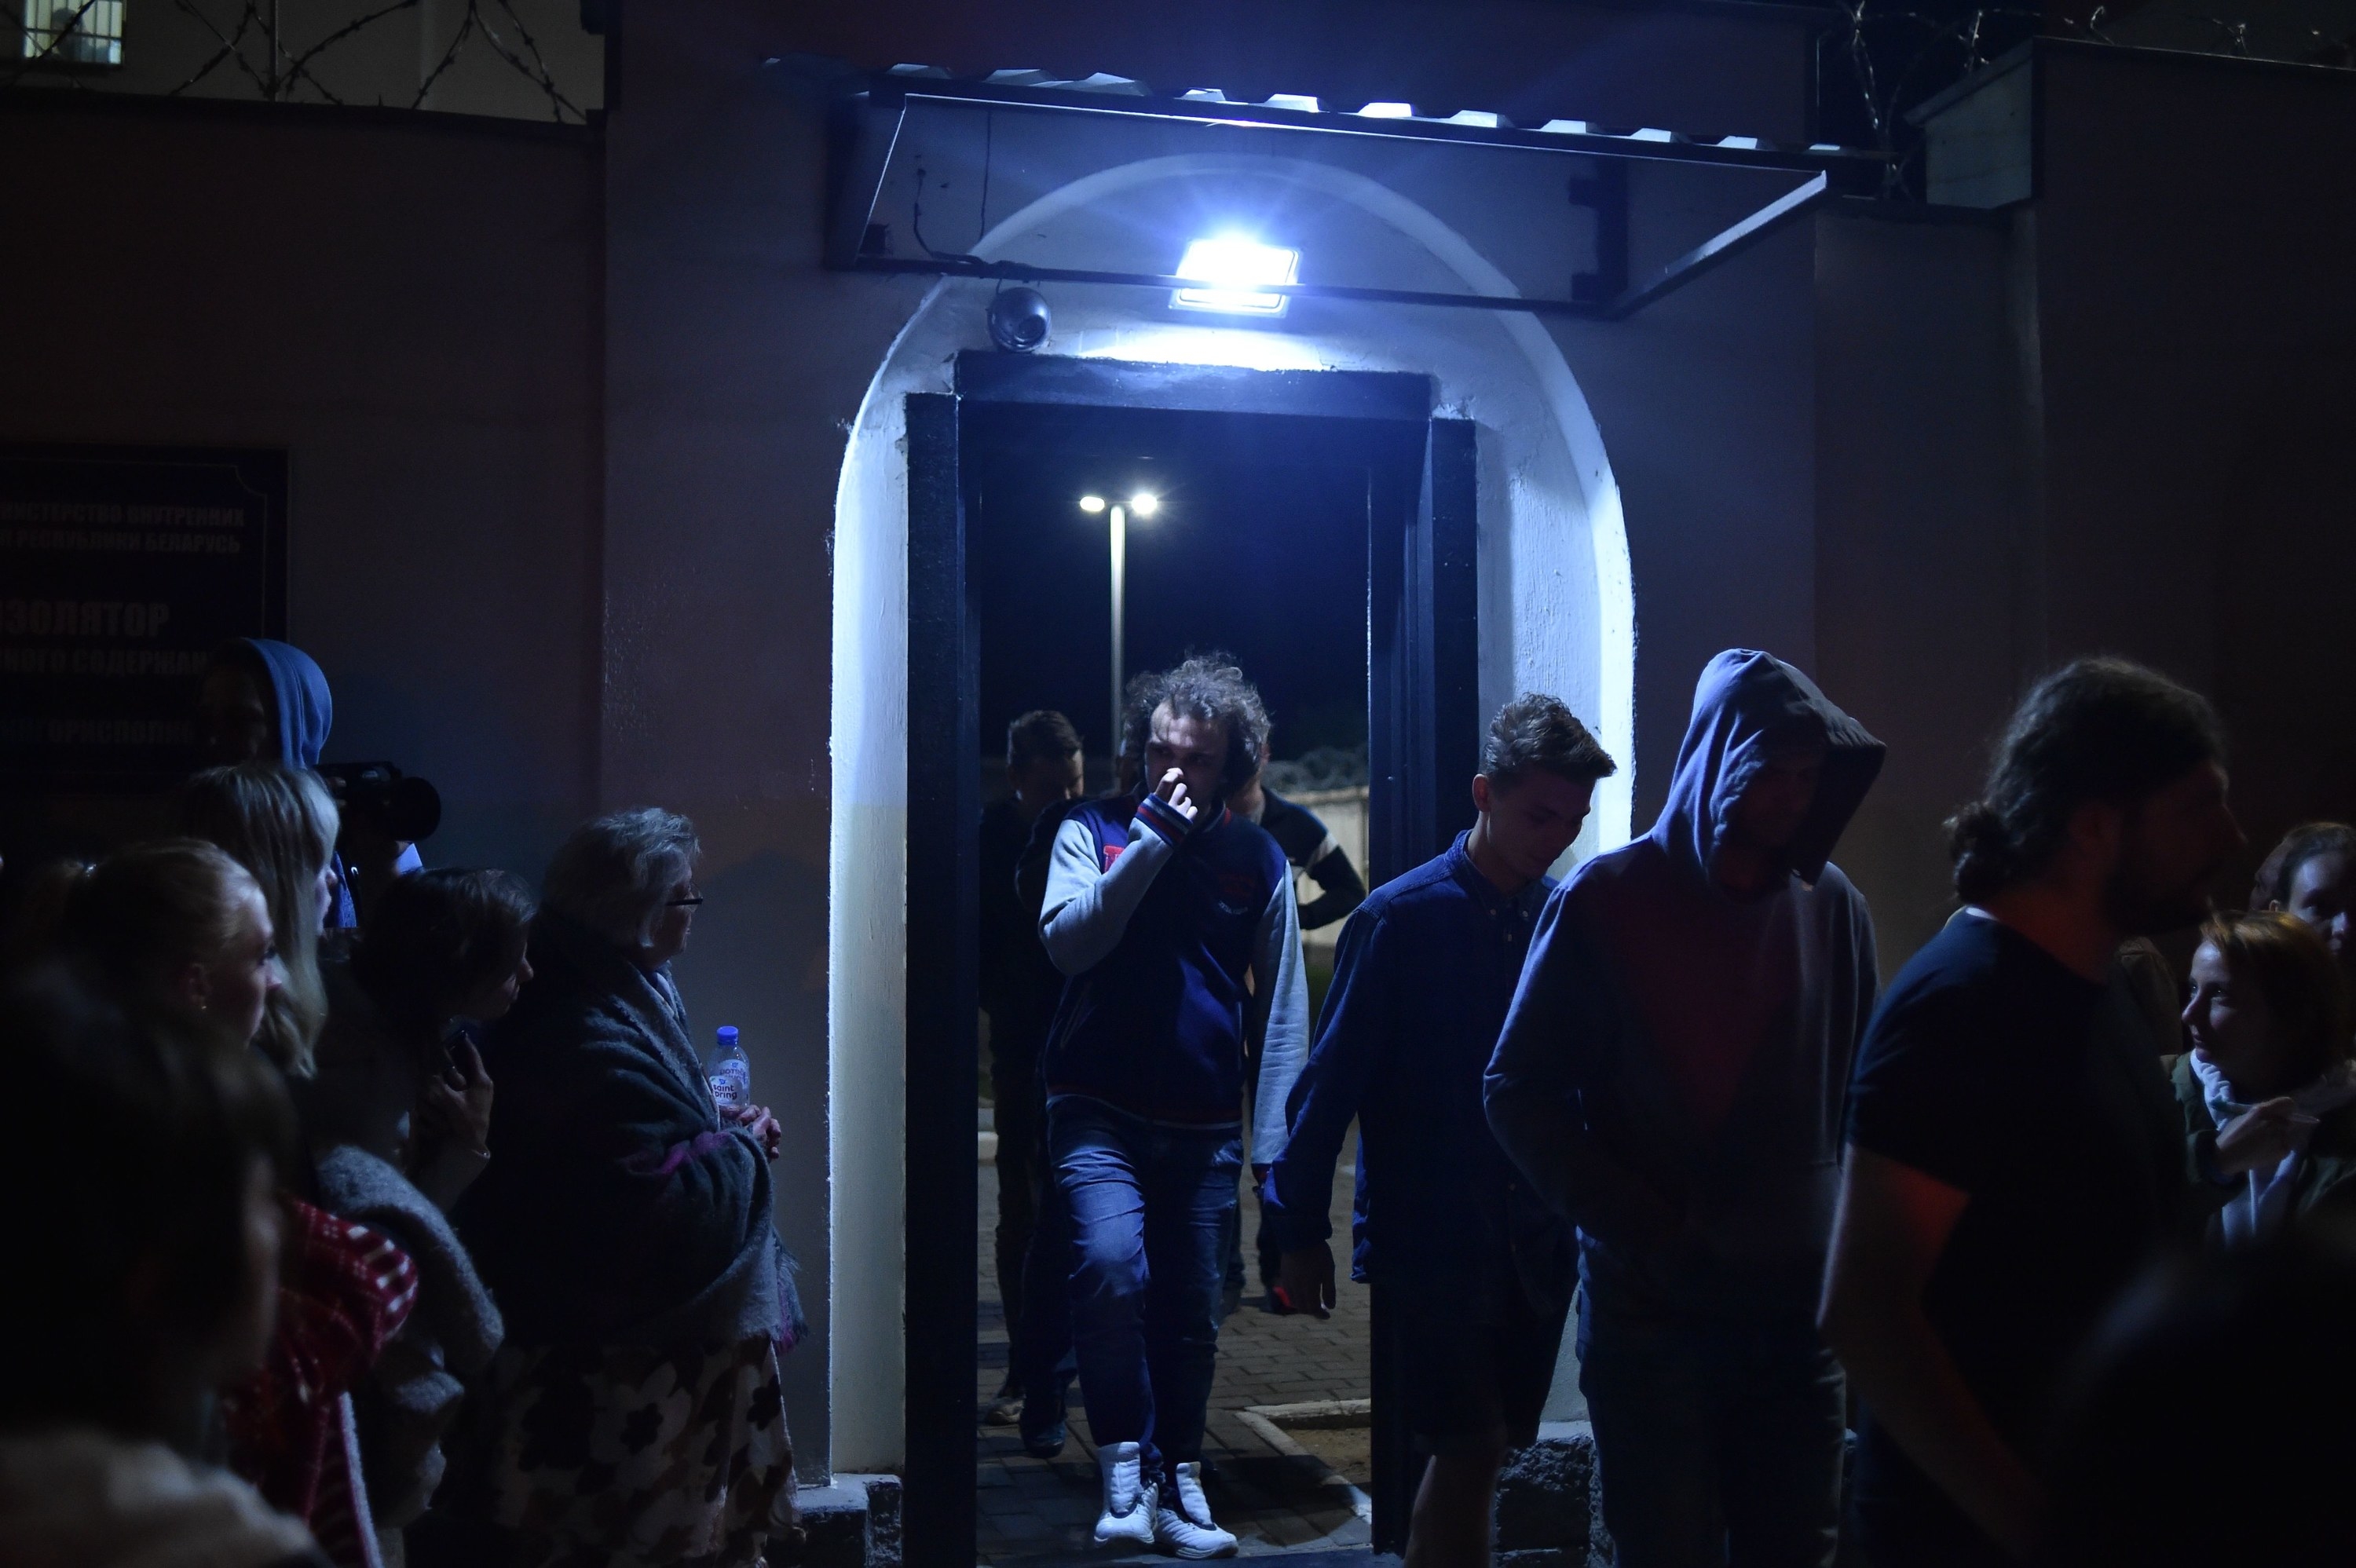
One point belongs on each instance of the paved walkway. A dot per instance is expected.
(1041, 1512)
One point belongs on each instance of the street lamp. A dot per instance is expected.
(1144, 503)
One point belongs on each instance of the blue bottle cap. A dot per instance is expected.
(727, 1036)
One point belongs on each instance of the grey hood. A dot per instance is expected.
(1745, 704)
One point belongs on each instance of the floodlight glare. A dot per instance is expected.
(1241, 269)
(1388, 112)
(1092, 503)
(1144, 503)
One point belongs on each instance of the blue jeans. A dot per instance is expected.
(1714, 1443)
(1150, 1208)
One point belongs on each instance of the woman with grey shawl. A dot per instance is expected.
(397, 1117)
(634, 1415)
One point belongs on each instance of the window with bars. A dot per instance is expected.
(74, 32)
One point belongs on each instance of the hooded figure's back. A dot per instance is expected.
(1700, 1036)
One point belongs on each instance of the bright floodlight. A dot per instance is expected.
(1092, 503)
(1242, 269)
(1387, 112)
(1144, 503)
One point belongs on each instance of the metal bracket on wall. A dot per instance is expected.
(869, 126)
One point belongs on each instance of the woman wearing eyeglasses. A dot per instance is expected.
(634, 1413)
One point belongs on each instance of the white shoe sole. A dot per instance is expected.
(1220, 1544)
(1111, 1531)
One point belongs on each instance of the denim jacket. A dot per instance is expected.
(1426, 971)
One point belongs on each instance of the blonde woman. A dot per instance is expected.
(280, 824)
(180, 929)
(174, 926)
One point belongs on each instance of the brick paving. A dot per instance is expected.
(1040, 1512)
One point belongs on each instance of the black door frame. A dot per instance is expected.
(1423, 725)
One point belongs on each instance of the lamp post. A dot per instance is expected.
(1144, 503)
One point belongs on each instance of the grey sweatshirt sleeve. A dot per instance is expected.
(1553, 1036)
(1279, 1018)
(1087, 907)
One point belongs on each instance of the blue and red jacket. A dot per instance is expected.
(1156, 924)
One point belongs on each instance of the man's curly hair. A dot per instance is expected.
(1209, 686)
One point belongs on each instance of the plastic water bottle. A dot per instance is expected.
(730, 1075)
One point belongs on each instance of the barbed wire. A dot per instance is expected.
(1887, 57)
(283, 75)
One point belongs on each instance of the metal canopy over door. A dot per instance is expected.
(1423, 742)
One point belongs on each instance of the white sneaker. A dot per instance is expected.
(1129, 1496)
(1183, 1523)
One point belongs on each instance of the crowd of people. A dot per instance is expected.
(387, 1215)
(401, 1229)
(2054, 1229)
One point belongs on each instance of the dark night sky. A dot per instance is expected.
(1260, 548)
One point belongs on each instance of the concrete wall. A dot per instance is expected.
(2196, 328)
(2112, 418)
(1923, 517)
(410, 308)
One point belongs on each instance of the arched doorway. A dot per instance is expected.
(1554, 612)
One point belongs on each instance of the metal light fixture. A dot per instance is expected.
(1238, 270)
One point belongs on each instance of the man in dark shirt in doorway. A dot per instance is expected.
(1020, 987)
(2014, 1157)
(1308, 847)
(1479, 1270)
(1670, 1079)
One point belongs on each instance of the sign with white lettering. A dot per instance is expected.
(121, 570)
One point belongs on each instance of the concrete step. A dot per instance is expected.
(853, 1522)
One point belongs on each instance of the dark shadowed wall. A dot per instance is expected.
(2192, 237)
(410, 306)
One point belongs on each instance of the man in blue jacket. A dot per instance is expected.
(1174, 920)
(1480, 1271)
(1671, 1080)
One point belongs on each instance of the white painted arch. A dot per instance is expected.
(1557, 603)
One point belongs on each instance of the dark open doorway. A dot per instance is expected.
(1320, 525)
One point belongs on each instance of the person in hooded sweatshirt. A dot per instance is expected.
(1671, 1079)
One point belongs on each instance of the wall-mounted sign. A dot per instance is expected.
(122, 568)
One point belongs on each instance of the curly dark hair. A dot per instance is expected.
(1210, 687)
(2096, 729)
(1534, 731)
(2300, 844)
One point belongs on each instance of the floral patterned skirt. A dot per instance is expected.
(617, 1455)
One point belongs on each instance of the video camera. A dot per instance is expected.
(385, 800)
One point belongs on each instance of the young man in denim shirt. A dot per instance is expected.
(1480, 1271)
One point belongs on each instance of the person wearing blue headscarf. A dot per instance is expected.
(264, 699)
